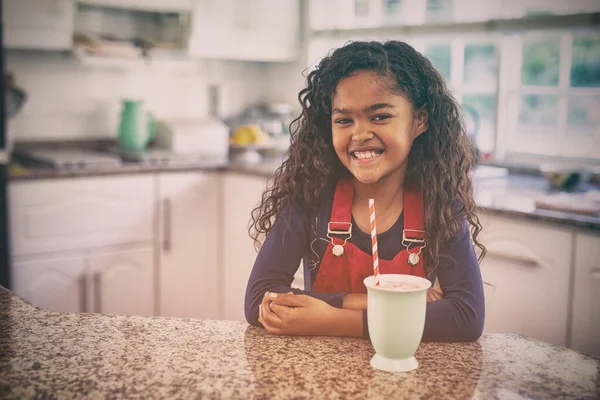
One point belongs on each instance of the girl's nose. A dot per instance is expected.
(361, 135)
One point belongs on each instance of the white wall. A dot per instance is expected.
(284, 81)
(68, 100)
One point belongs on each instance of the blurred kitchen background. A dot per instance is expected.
(139, 134)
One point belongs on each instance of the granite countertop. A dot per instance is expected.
(64, 355)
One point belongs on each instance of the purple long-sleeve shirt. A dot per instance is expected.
(458, 317)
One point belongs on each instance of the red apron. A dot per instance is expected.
(346, 273)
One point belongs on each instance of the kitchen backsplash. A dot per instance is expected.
(69, 100)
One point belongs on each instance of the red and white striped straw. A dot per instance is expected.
(374, 241)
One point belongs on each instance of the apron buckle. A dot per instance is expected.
(338, 249)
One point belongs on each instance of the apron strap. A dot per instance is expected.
(413, 214)
(341, 209)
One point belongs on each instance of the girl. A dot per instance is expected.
(377, 122)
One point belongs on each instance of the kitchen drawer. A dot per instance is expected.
(57, 215)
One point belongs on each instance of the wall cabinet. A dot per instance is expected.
(262, 30)
(37, 24)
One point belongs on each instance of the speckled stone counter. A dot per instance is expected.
(61, 355)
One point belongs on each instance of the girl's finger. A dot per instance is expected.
(290, 300)
(268, 316)
(279, 310)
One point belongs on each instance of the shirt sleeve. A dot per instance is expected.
(278, 260)
(460, 315)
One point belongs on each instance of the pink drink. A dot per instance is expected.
(399, 285)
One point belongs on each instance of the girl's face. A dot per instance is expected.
(373, 128)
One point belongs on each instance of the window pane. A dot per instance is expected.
(361, 8)
(537, 114)
(394, 12)
(439, 10)
(584, 116)
(391, 6)
(585, 69)
(540, 62)
(439, 54)
(480, 117)
(481, 65)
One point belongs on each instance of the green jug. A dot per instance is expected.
(136, 127)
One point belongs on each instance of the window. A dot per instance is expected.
(470, 68)
(554, 94)
(528, 92)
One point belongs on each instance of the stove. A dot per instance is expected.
(70, 159)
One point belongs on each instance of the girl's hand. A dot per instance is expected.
(435, 293)
(290, 314)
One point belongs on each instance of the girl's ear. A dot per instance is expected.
(421, 120)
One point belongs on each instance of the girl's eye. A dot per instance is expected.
(381, 117)
(342, 121)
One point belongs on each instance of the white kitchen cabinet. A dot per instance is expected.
(122, 281)
(145, 5)
(585, 327)
(189, 209)
(63, 238)
(261, 30)
(241, 194)
(526, 274)
(52, 282)
(38, 24)
(71, 214)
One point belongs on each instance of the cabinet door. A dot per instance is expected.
(122, 281)
(52, 282)
(585, 329)
(263, 30)
(526, 278)
(241, 194)
(188, 225)
(38, 24)
(70, 214)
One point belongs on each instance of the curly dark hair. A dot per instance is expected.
(440, 160)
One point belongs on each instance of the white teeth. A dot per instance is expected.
(365, 154)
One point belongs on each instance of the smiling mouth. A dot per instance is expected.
(366, 154)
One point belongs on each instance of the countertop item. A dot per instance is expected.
(65, 355)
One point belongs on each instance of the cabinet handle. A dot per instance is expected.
(82, 294)
(166, 225)
(97, 293)
(522, 260)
